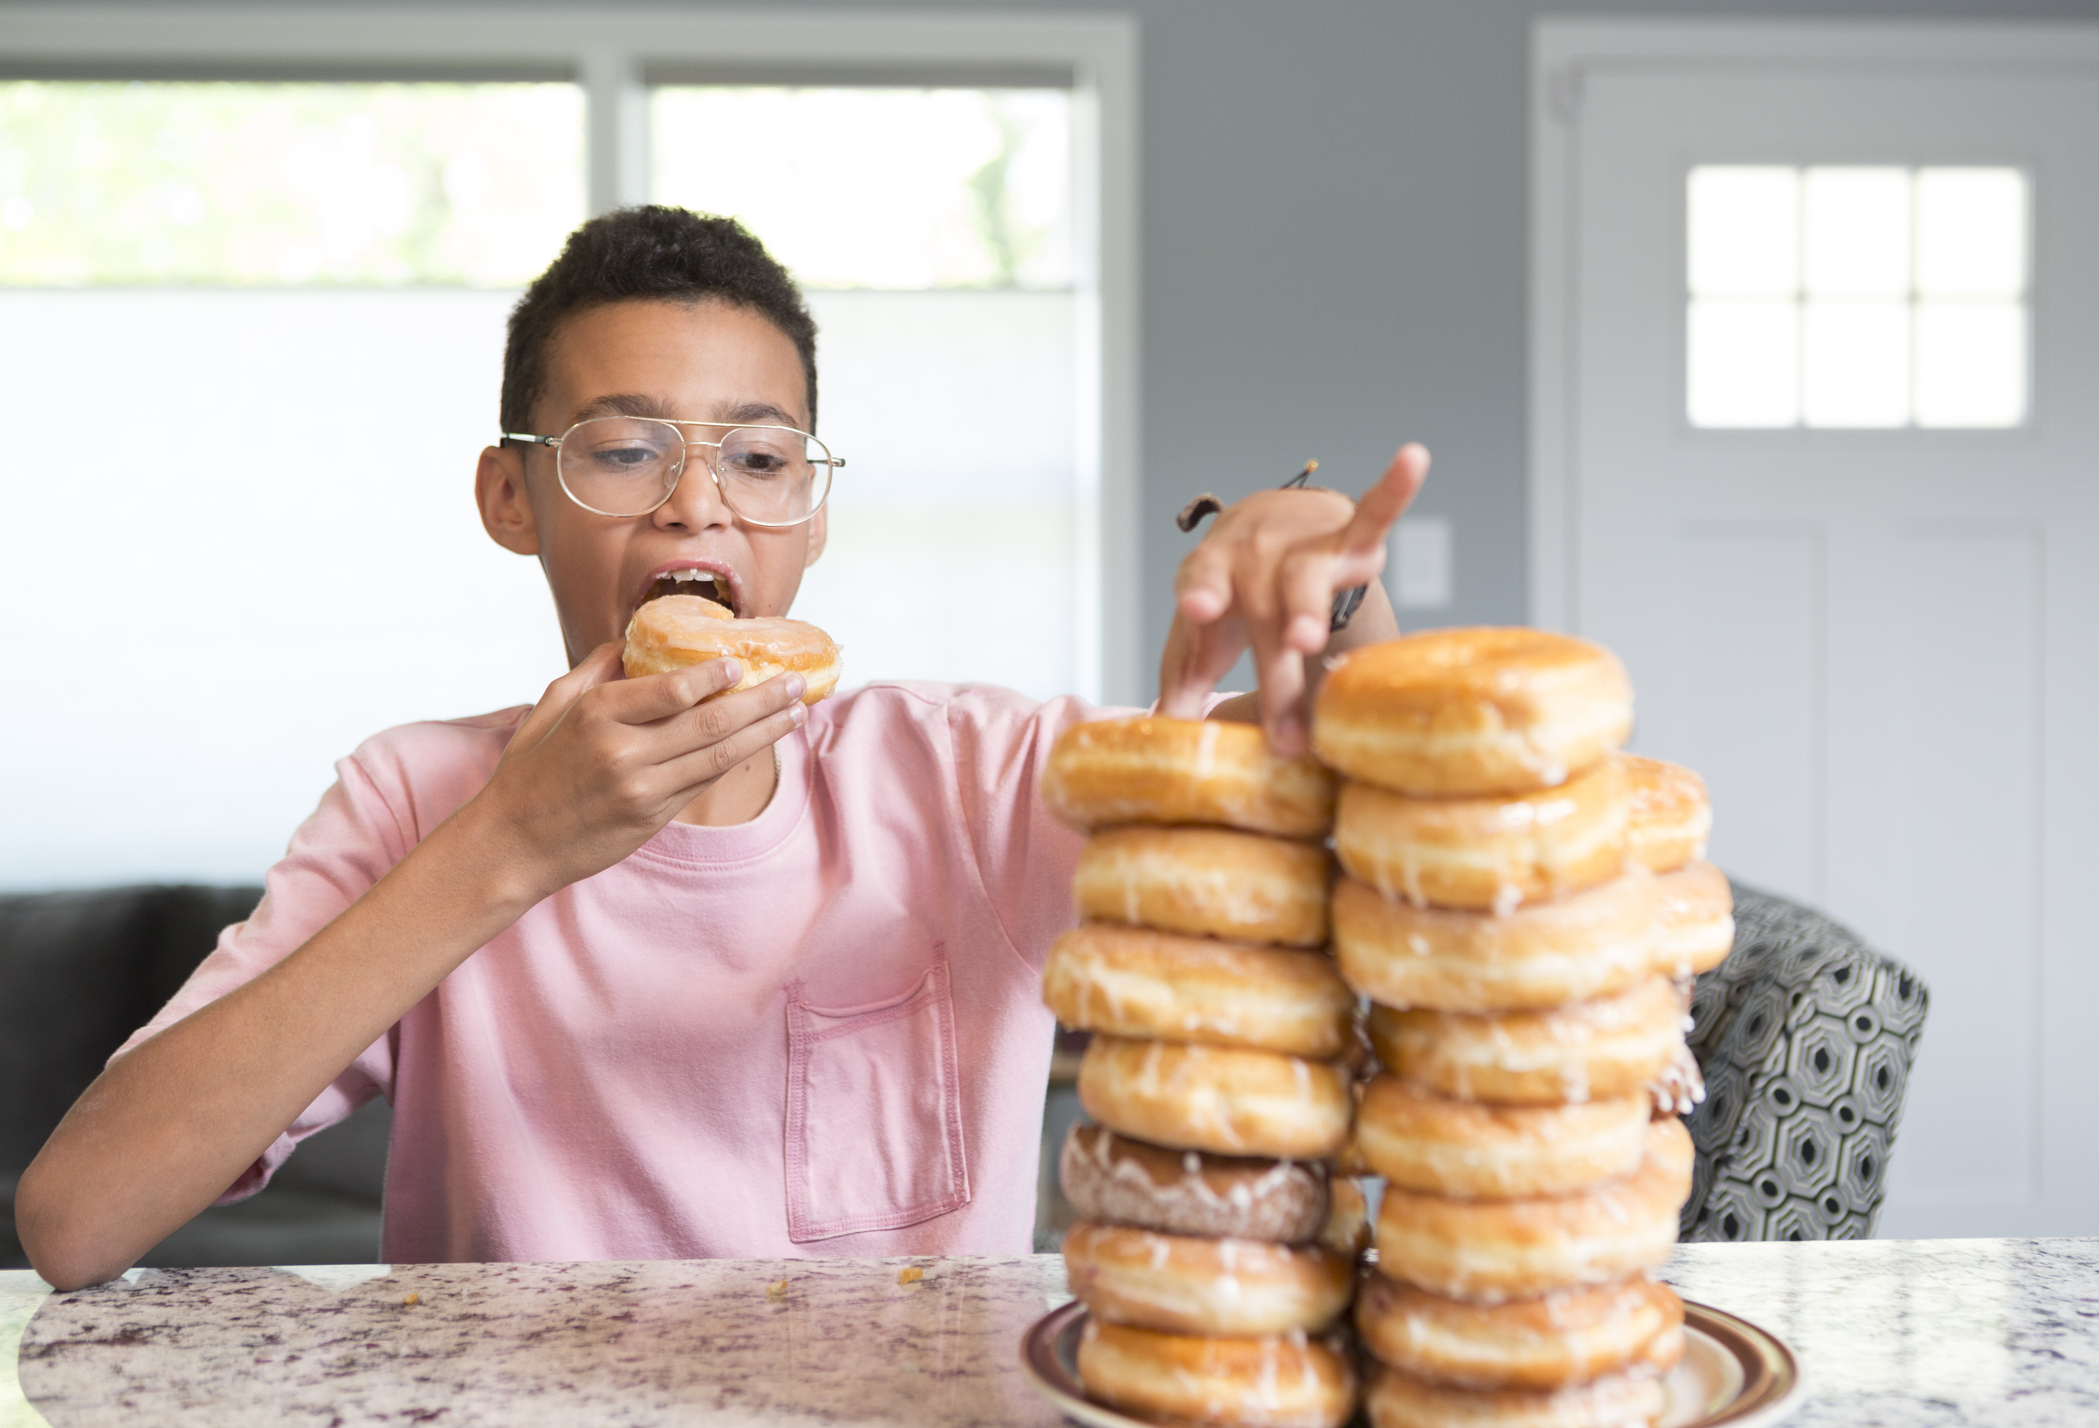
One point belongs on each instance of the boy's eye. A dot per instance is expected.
(626, 459)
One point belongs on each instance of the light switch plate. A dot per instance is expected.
(1421, 550)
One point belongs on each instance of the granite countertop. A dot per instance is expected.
(1915, 1333)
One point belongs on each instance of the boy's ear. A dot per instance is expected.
(819, 532)
(505, 501)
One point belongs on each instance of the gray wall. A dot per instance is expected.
(1334, 251)
(1335, 254)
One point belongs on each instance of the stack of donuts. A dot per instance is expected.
(1216, 1253)
(1527, 970)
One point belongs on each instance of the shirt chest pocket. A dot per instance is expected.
(874, 1113)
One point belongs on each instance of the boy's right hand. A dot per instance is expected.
(602, 763)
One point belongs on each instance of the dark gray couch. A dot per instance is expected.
(79, 972)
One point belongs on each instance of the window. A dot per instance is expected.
(931, 229)
(1856, 297)
(254, 337)
(266, 317)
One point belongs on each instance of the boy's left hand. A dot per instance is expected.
(1266, 577)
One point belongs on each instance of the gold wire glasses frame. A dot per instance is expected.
(620, 466)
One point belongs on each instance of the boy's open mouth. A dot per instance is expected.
(704, 583)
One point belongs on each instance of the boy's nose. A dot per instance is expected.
(696, 503)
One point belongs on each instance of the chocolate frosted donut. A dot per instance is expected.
(1114, 1180)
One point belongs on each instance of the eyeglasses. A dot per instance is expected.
(628, 466)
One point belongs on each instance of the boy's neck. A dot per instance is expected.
(737, 796)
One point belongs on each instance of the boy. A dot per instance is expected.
(650, 970)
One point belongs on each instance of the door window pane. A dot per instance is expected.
(1905, 291)
(933, 231)
(1744, 232)
(273, 451)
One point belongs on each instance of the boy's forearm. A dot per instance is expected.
(166, 1128)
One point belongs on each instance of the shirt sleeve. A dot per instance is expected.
(343, 848)
(1025, 857)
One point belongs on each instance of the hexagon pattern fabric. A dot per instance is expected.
(1806, 1036)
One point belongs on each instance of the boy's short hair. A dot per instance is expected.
(648, 252)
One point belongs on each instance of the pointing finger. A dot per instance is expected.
(1383, 504)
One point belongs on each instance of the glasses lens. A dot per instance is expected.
(621, 466)
(773, 475)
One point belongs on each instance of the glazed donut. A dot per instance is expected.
(1694, 920)
(1470, 1150)
(1633, 1399)
(1229, 1100)
(1153, 770)
(1190, 1285)
(1209, 882)
(1111, 1179)
(1567, 1336)
(1499, 852)
(1347, 1227)
(1275, 1381)
(1671, 817)
(673, 631)
(1461, 713)
(1131, 981)
(1491, 1251)
(1609, 1046)
(1589, 945)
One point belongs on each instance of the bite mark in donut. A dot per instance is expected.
(1169, 771)
(1133, 981)
(1113, 1179)
(1466, 712)
(673, 631)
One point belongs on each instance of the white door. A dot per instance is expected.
(1838, 513)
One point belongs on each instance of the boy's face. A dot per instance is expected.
(708, 361)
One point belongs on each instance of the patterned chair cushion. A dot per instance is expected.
(1806, 1037)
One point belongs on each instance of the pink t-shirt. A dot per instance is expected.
(819, 1032)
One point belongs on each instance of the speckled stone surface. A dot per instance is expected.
(718, 1342)
(1920, 1333)
(1927, 1333)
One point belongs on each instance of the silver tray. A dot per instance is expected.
(1732, 1372)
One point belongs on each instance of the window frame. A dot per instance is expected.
(616, 54)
